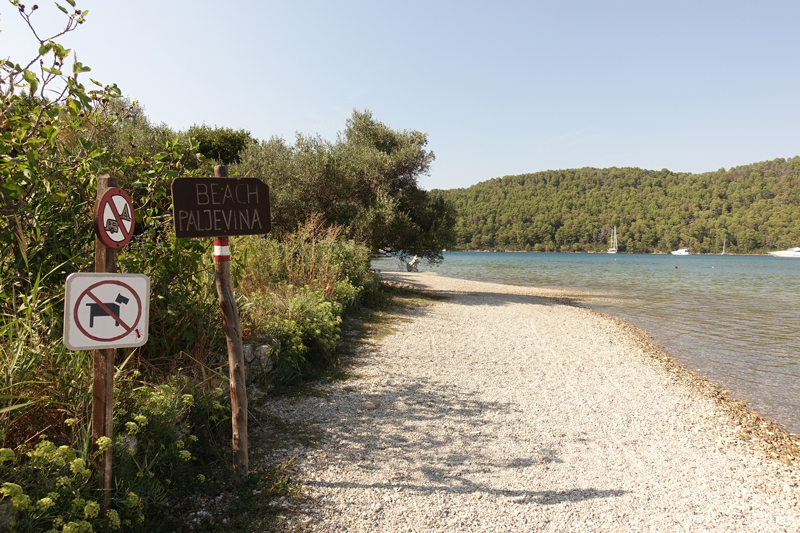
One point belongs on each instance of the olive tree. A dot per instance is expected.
(366, 181)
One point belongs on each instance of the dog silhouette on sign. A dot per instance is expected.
(96, 311)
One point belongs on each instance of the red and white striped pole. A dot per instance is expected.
(222, 251)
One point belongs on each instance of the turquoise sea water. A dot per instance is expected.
(734, 318)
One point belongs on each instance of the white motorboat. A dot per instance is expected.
(681, 251)
(613, 248)
(791, 252)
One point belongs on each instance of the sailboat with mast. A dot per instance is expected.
(724, 242)
(613, 248)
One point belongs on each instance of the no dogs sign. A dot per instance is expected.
(106, 311)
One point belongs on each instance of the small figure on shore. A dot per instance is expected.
(411, 266)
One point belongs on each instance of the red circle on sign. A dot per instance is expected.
(127, 328)
(114, 223)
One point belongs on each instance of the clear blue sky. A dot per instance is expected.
(499, 87)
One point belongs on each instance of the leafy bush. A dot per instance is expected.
(313, 255)
(294, 292)
(50, 486)
(52, 490)
(304, 328)
(220, 144)
(56, 137)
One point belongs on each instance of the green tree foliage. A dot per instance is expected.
(220, 144)
(50, 154)
(754, 208)
(365, 182)
(56, 137)
(135, 134)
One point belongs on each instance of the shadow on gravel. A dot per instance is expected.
(544, 497)
(428, 436)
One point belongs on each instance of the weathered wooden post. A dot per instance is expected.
(233, 336)
(219, 207)
(104, 311)
(105, 260)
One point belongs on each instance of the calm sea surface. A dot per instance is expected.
(734, 318)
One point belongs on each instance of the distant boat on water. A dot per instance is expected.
(791, 252)
(613, 248)
(725, 240)
(681, 251)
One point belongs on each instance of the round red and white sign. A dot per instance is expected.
(113, 218)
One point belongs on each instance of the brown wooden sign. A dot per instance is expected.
(208, 207)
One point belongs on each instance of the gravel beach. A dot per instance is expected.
(502, 408)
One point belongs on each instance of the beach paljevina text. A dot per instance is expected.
(227, 211)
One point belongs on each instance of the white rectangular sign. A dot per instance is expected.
(106, 311)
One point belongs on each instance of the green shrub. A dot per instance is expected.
(51, 487)
(185, 322)
(314, 256)
(294, 291)
(305, 328)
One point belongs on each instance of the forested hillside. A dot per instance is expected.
(755, 207)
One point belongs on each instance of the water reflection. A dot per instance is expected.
(734, 318)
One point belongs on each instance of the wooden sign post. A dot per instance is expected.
(94, 303)
(105, 260)
(233, 336)
(105, 311)
(220, 207)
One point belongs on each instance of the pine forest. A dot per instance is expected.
(749, 209)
